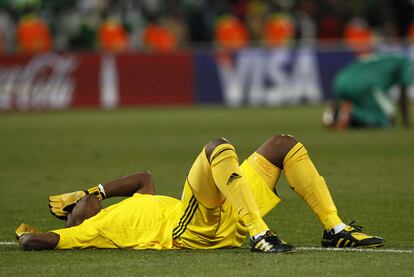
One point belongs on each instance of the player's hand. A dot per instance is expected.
(25, 229)
(62, 204)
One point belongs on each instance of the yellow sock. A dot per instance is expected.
(305, 180)
(227, 176)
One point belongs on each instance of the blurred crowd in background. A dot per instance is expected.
(166, 25)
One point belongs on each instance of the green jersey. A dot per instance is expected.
(376, 72)
(367, 82)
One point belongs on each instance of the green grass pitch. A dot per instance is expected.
(370, 174)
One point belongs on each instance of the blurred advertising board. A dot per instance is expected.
(48, 81)
(253, 77)
(62, 81)
(267, 77)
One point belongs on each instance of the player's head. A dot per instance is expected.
(85, 208)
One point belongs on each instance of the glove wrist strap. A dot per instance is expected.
(102, 191)
(99, 191)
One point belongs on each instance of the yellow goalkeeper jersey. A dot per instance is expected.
(139, 222)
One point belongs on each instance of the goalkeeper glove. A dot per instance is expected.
(62, 204)
(25, 229)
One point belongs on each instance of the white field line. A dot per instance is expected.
(8, 243)
(383, 250)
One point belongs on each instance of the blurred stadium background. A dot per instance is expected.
(90, 53)
(128, 25)
(91, 90)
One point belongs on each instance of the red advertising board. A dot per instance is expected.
(49, 81)
(86, 78)
(155, 79)
(61, 81)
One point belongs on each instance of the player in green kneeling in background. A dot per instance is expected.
(362, 92)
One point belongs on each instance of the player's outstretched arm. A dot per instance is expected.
(405, 106)
(30, 238)
(40, 241)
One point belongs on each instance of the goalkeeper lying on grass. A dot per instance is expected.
(221, 204)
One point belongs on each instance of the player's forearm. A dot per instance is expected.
(140, 182)
(61, 205)
(39, 241)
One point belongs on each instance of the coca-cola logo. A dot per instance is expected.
(43, 83)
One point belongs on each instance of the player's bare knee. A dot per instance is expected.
(213, 144)
(276, 148)
(283, 142)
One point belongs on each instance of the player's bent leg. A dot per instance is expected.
(303, 178)
(201, 181)
(227, 177)
(229, 180)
